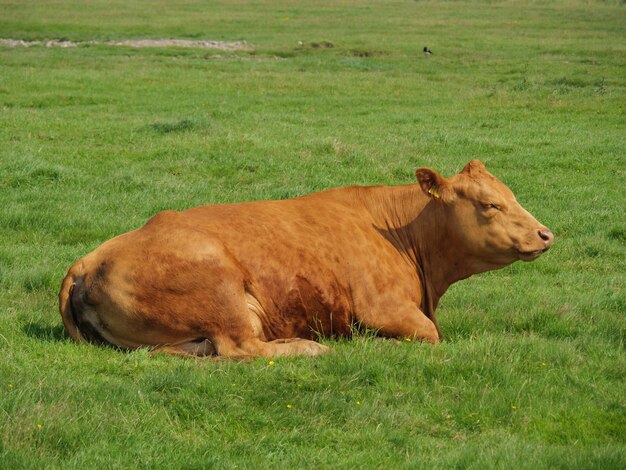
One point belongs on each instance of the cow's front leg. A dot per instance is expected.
(403, 322)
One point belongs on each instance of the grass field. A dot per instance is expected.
(95, 139)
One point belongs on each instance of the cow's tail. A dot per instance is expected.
(71, 305)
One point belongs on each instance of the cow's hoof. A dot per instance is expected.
(315, 349)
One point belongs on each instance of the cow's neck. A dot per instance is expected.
(418, 229)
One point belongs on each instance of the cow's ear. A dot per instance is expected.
(474, 167)
(433, 184)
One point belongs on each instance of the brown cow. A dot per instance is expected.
(265, 278)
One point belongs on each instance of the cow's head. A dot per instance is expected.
(484, 217)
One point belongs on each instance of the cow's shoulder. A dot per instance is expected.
(165, 217)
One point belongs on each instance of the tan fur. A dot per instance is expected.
(269, 277)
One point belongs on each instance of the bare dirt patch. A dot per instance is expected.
(217, 45)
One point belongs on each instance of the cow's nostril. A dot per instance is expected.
(546, 235)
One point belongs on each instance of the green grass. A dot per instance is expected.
(96, 139)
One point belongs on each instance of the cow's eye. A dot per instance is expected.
(491, 206)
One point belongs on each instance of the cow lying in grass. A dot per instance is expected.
(265, 278)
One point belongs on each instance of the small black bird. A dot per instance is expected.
(427, 51)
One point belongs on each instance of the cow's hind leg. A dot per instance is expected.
(228, 350)
(244, 337)
(227, 347)
(298, 347)
(197, 348)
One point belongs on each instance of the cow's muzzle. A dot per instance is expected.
(547, 238)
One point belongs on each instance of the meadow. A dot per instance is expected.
(95, 139)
